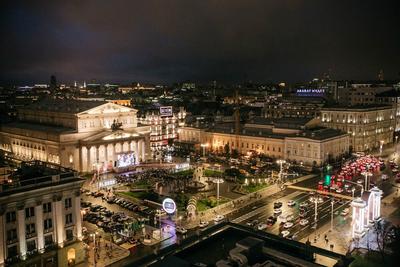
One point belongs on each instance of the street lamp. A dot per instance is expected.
(281, 162)
(204, 149)
(381, 146)
(366, 175)
(332, 202)
(218, 181)
(352, 191)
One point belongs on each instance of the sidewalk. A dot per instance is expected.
(107, 253)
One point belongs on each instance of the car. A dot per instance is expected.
(303, 214)
(395, 170)
(384, 177)
(252, 223)
(288, 225)
(277, 211)
(303, 222)
(203, 224)
(271, 220)
(291, 203)
(219, 218)
(359, 181)
(285, 233)
(180, 229)
(303, 204)
(339, 190)
(345, 212)
(289, 217)
(261, 226)
(282, 218)
(277, 205)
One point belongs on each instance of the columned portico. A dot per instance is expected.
(58, 219)
(77, 215)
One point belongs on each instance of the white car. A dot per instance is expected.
(289, 218)
(261, 226)
(180, 229)
(384, 177)
(303, 222)
(288, 225)
(277, 211)
(339, 190)
(291, 203)
(345, 212)
(282, 218)
(203, 224)
(359, 181)
(285, 233)
(219, 218)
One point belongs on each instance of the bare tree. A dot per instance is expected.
(383, 232)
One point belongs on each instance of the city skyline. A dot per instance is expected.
(152, 42)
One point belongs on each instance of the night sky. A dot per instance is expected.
(226, 41)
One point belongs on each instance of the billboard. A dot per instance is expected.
(166, 111)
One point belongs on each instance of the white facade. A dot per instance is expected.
(78, 137)
(35, 218)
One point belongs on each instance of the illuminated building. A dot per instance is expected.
(369, 126)
(82, 135)
(299, 141)
(293, 107)
(39, 213)
(163, 125)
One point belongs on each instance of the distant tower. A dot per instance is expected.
(84, 84)
(75, 84)
(380, 75)
(53, 82)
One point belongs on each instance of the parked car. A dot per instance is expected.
(219, 218)
(277, 205)
(261, 226)
(303, 222)
(288, 225)
(203, 224)
(252, 223)
(271, 220)
(285, 233)
(291, 203)
(180, 230)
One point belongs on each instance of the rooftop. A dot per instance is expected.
(63, 105)
(33, 175)
(371, 107)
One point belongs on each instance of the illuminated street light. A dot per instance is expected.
(366, 175)
(218, 181)
(204, 149)
(381, 146)
(281, 162)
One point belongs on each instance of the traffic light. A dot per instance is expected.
(327, 179)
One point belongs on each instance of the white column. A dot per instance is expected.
(106, 154)
(136, 147)
(139, 150)
(78, 216)
(96, 150)
(143, 150)
(2, 246)
(58, 219)
(21, 232)
(39, 227)
(88, 169)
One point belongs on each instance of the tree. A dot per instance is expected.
(383, 231)
(226, 149)
(235, 153)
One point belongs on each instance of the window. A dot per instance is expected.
(11, 235)
(30, 228)
(12, 251)
(29, 212)
(11, 216)
(69, 234)
(68, 218)
(47, 224)
(68, 203)
(48, 240)
(47, 207)
(31, 245)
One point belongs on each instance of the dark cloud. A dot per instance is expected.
(198, 40)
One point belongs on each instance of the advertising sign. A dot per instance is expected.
(169, 205)
(166, 111)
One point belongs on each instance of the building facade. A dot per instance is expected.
(39, 214)
(82, 135)
(163, 127)
(369, 127)
(310, 147)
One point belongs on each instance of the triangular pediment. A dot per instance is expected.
(108, 108)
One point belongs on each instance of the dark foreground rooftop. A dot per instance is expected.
(228, 244)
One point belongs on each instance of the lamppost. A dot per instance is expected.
(94, 248)
(366, 175)
(218, 181)
(281, 162)
(314, 199)
(381, 146)
(352, 191)
(204, 149)
(332, 202)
